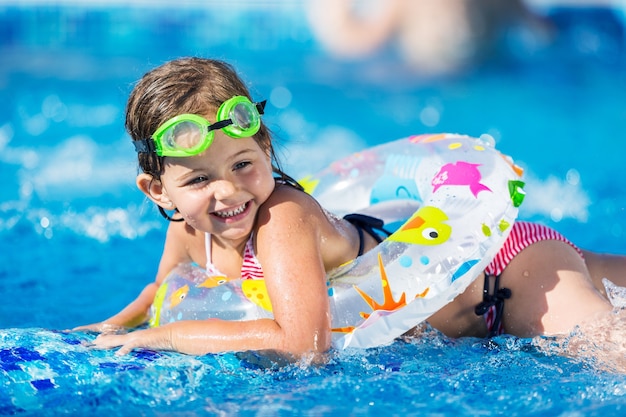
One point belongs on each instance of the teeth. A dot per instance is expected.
(231, 213)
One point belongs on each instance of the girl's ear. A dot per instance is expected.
(154, 190)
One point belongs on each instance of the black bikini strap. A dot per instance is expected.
(493, 299)
(361, 243)
(369, 224)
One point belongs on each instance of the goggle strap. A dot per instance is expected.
(220, 125)
(144, 146)
(260, 107)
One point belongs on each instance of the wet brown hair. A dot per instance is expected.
(186, 85)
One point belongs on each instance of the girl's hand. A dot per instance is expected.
(102, 327)
(157, 339)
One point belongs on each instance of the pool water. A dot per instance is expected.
(429, 376)
(79, 241)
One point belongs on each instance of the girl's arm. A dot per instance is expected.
(289, 240)
(136, 312)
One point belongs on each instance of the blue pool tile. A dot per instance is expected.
(43, 384)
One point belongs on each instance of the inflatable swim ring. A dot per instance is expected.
(451, 200)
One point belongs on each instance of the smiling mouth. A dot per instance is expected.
(226, 214)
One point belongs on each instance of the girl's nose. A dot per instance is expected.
(224, 189)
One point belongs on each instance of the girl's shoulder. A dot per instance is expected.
(293, 216)
(291, 208)
(292, 201)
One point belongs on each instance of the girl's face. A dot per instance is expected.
(220, 190)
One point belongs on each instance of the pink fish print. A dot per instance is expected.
(460, 173)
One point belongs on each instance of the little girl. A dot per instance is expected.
(207, 161)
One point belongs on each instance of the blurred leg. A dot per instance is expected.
(601, 266)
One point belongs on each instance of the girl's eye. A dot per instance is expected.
(241, 165)
(198, 180)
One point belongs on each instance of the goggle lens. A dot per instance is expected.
(243, 115)
(183, 135)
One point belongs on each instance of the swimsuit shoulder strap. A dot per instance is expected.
(250, 268)
(210, 268)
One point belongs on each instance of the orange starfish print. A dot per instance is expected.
(389, 304)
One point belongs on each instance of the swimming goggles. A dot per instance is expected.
(190, 134)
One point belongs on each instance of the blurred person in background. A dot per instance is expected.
(433, 36)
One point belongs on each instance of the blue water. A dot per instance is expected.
(78, 240)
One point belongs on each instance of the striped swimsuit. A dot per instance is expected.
(250, 268)
(523, 234)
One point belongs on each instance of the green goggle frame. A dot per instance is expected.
(190, 134)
